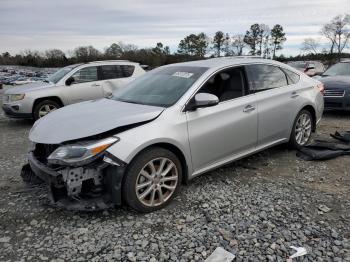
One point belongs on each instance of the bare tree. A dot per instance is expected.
(310, 45)
(238, 44)
(338, 33)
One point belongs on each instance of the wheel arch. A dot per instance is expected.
(177, 151)
(53, 98)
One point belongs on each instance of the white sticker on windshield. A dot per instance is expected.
(183, 74)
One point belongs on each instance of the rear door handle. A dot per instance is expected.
(95, 85)
(248, 109)
(294, 95)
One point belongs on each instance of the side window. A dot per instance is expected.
(116, 71)
(110, 72)
(127, 70)
(293, 78)
(87, 74)
(226, 85)
(265, 77)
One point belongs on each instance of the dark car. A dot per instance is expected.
(336, 80)
(311, 68)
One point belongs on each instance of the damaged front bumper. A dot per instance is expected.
(96, 186)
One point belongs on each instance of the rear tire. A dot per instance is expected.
(44, 107)
(152, 180)
(302, 129)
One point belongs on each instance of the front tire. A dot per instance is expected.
(302, 129)
(152, 180)
(44, 107)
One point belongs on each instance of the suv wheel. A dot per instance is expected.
(302, 129)
(44, 107)
(152, 180)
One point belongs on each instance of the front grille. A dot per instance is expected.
(42, 151)
(334, 93)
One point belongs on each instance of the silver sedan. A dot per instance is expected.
(170, 125)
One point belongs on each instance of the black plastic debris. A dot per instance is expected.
(344, 137)
(325, 150)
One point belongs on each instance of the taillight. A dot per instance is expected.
(320, 88)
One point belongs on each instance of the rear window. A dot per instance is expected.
(292, 77)
(127, 70)
(116, 71)
(264, 77)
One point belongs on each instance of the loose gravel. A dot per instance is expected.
(255, 208)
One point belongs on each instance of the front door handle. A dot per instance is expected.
(294, 95)
(95, 85)
(248, 109)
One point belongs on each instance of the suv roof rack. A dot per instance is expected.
(103, 61)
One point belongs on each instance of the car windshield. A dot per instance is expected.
(160, 87)
(340, 69)
(54, 78)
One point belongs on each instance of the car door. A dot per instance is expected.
(276, 102)
(218, 133)
(115, 77)
(86, 85)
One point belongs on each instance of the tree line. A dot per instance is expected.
(337, 35)
(258, 40)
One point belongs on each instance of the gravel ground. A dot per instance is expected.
(255, 208)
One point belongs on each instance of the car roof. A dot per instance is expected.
(112, 62)
(221, 62)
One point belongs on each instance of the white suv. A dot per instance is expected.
(69, 85)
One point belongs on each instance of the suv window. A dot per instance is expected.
(265, 77)
(293, 78)
(116, 71)
(226, 85)
(127, 70)
(87, 74)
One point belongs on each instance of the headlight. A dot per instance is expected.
(16, 97)
(80, 153)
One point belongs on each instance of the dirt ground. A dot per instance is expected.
(319, 183)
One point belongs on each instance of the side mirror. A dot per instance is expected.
(70, 81)
(203, 100)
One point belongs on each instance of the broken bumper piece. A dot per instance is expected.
(93, 187)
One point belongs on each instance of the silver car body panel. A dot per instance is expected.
(88, 119)
(207, 137)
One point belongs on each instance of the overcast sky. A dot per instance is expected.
(65, 24)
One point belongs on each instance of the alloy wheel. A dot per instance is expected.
(45, 109)
(156, 182)
(303, 129)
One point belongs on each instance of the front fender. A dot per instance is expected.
(135, 140)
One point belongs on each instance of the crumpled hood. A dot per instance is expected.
(28, 87)
(89, 118)
(336, 82)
